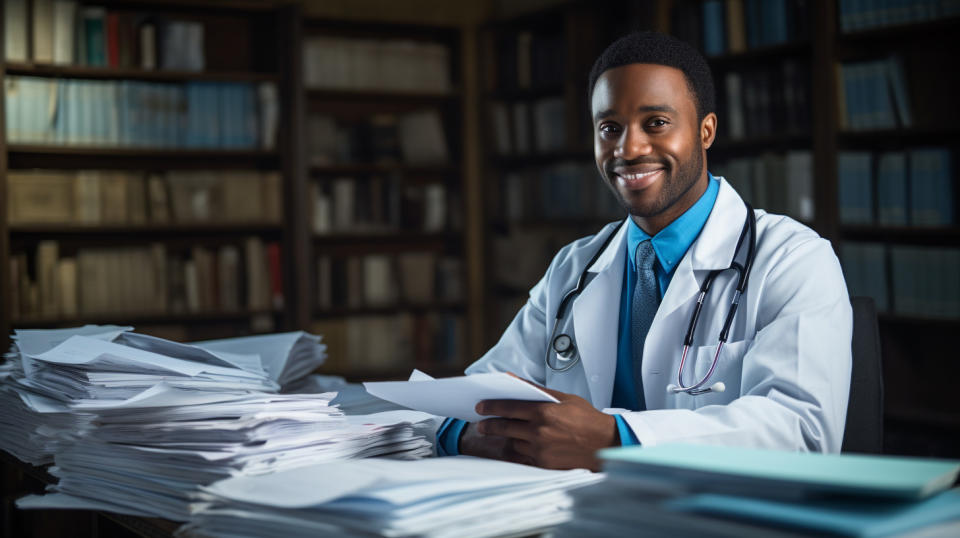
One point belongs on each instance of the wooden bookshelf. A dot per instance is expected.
(349, 107)
(244, 43)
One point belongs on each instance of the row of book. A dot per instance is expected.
(66, 34)
(416, 138)
(897, 188)
(523, 128)
(873, 95)
(145, 280)
(229, 115)
(563, 191)
(400, 341)
(777, 182)
(377, 65)
(383, 280)
(766, 101)
(905, 279)
(95, 197)
(380, 204)
(863, 14)
(733, 26)
(523, 61)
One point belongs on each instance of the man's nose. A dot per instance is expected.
(633, 143)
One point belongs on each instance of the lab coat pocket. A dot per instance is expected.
(729, 370)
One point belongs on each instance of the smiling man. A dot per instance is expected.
(607, 330)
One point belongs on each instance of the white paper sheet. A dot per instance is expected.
(457, 396)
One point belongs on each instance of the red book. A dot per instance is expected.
(113, 39)
(276, 274)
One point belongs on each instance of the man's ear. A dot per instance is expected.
(708, 130)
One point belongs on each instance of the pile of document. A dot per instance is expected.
(689, 490)
(437, 497)
(34, 423)
(149, 454)
(288, 358)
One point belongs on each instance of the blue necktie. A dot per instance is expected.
(646, 299)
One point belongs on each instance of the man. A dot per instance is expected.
(782, 378)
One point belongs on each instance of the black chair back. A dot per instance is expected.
(864, 430)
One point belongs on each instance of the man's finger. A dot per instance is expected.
(518, 409)
(505, 427)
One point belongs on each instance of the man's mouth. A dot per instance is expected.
(633, 179)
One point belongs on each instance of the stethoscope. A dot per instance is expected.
(564, 349)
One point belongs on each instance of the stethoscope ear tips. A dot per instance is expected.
(718, 387)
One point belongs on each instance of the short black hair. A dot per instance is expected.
(661, 49)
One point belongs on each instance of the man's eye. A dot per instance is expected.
(657, 123)
(609, 130)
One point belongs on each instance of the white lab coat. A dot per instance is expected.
(786, 364)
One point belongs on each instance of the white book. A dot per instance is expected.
(379, 284)
(435, 210)
(64, 23)
(343, 204)
(15, 31)
(43, 31)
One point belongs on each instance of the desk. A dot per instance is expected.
(19, 479)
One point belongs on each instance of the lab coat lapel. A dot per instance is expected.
(596, 316)
(713, 249)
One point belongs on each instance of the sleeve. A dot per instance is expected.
(448, 437)
(626, 435)
(795, 375)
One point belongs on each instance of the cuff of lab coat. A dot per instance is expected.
(627, 437)
(448, 437)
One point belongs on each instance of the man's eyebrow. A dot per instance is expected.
(648, 108)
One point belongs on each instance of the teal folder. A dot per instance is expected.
(778, 474)
(847, 517)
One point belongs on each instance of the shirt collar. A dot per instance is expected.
(672, 242)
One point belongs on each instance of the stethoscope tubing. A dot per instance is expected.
(748, 233)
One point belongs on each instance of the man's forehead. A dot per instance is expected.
(638, 80)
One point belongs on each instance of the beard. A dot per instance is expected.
(676, 183)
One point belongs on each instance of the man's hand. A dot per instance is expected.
(561, 435)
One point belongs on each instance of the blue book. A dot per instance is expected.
(782, 473)
(892, 189)
(752, 16)
(192, 130)
(854, 175)
(714, 40)
(845, 517)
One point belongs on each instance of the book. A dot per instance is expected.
(14, 32)
(94, 27)
(36, 197)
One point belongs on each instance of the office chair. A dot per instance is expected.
(864, 429)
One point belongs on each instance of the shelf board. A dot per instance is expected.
(321, 96)
(784, 141)
(343, 312)
(145, 229)
(524, 94)
(896, 138)
(946, 236)
(926, 321)
(895, 34)
(381, 168)
(50, 156)
(113, 73)
(770, 52)
(541, 159)
(141, 317)
(573, 223)
(398, 239)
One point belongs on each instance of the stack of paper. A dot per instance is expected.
(439, 497)
(149, 454)
(683, 490)
(33, 426)
(287, 357)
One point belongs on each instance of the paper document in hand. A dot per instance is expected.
(457, 396)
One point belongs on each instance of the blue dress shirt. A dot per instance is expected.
(670, 244)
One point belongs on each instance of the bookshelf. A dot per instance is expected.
(105, 239)
(384, 196)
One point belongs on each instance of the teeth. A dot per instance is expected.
(637, 176)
